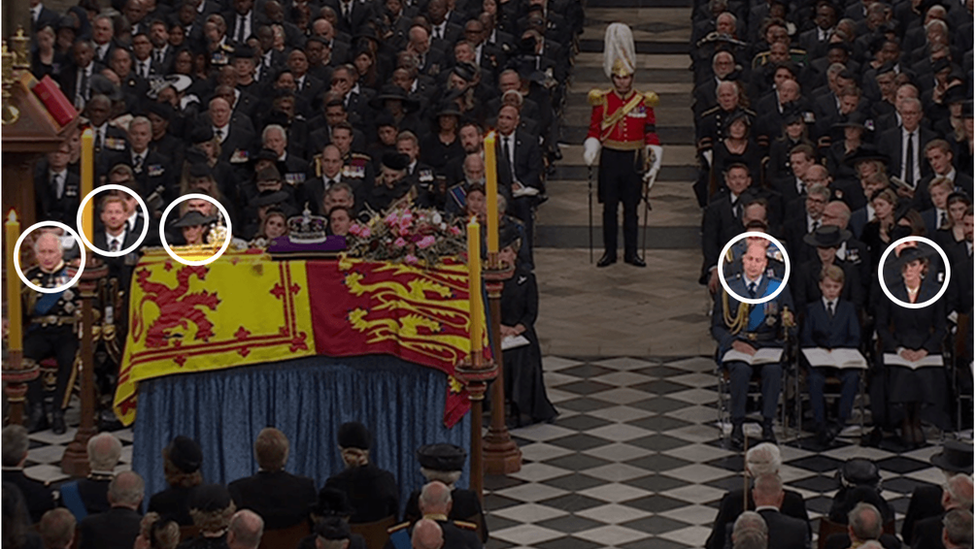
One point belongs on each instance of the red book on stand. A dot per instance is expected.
(48, 91)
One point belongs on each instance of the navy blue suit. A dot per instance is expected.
(762, 331)
(843, 331)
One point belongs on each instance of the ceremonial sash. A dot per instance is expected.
(606, 127)
(757, 314)
(71, 497)
(46, 302)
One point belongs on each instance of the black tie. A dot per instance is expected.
(735, 209)
(943, 221)
(115, 245)
(910, 161)
(138, 164)
(220, 134)
(98, 139)
(752, 290)
(240, 30)
(55, 183)
(506, 151)
(437, 33)
(83, 88)
(816, 225)
(830, 309)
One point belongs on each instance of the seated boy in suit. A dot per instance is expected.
(831, 323)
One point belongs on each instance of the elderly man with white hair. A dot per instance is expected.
(761, 459)
(51, 331)
(88, 496)
(750, 531)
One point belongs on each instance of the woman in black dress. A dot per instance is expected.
(913, 334)
(443, 143)
(738, 144)
(794, 133)
(877, 233)
(524, 385)
(372, 492)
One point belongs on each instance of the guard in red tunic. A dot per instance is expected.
(622, 126)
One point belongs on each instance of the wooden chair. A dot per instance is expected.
(827, 529)
(375, 532)
(285, 538)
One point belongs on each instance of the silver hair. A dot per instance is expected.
(865, 521)
(763, 459)
(15, 445)
(273, 127)
(447, 477)
(104, 451)
(127, 488)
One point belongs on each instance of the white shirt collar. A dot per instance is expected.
(952, 173)
(749, 281)
(828, 302)
(767, 508)
(131, 221)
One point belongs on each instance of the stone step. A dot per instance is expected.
(673, 204)
(669, 135)
(650, 62)
(577, 171)
(595, 74)
(595, 45)
(578, 236)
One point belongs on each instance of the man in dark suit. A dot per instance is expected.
(746, 331)
(815, 40)
(316, 185)
(119, 526)
(444, 33)
(444, 462)
(904, 145)
(113, 235)
(762, 459)
(236, 143)
(802, 157)
(162, 54)
(89, 495)
(722, 220)
(831, 323)
(279, 497)
(42, 16)
(940, 158)
(241, 21)
(524, 157)
(76, 80)
(958, 494)
(57, 189)
(957, 532)
(435, 504)
(103, 39)
(864, 524)
(37, 495)
(785, 532)
(955, 457)
(153, 171)
(307, 86)
(351, 15)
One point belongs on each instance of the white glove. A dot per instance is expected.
(707, 155)
(591, 148)
(656, 153)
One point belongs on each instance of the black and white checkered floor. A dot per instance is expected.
(634, 460)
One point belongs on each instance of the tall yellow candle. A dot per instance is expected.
(491, 190)
(474, 286)
(88, 182)
(15, 336)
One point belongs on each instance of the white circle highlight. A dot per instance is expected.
(20, 272)
(162, 229)
(747, 300)
(145, 217)
(945, 283)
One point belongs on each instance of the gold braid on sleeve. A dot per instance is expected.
(740, 321)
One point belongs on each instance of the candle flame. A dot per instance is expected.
(88, 134)
(490, 135)
(12, 216)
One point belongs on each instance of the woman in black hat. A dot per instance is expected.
(402, 108)
(524, 384)
(795, 133)
(913, 334)
(443, 143)
(182, 459)
(827, 239)
(372, 492)
(738, 144)
(847, 140)
(194, 225)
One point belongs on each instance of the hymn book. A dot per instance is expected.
(895, 359)
(770, 355)
(835, 358)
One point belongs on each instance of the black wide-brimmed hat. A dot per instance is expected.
(865, 153)
(859, 472)
(354, 435)
(852, 120)
(912, 253)
(185, 454)
(193, 218)
(332, 502)
(393, 92)
(441, 457)
(396, 161)
(956, 456)
(827, 236)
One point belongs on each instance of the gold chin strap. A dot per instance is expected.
(740, 321)
(620, 68)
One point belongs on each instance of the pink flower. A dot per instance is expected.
(400, 242)
(365, 232)
(410, 259)
(391, 219)
(426, 242)
(354, 229)
(455, 230)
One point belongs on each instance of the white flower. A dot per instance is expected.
(437, 218)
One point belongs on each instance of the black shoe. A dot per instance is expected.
(767, 433)
(57, 422)
(37, 420)
(738, 437)
(873, 438)
(607, 260)
(635, 260)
